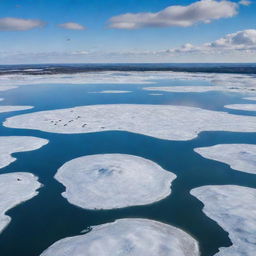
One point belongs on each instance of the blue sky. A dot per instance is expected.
(149, 40)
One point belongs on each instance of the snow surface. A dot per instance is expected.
(230, 82)
(160, 121)
(4, 109)
(15, 188)
(108, 181)
(246, 107)
(14, 144)
(234, 209)
(241, 157)
(6, 88)
(250, 98)
(124, 237)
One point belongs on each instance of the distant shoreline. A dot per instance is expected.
(50, 69)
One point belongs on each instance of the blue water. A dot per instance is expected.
(48, 217)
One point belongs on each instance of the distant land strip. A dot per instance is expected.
(50, 69)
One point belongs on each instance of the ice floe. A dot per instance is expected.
(226, 82)
(160, 121)
(15, 188)
(186, 88)
(6, 88)
(234, 209)
(246, 107)
(4, 109)
(14, 144)
(78, 78)
(136, 237)
(108, 181)
(250, 98)
(199, 88)
(241, 157)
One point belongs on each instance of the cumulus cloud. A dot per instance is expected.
(240, 41)
(17, 24)
(245, 2)
(203, 11)
(72, 26)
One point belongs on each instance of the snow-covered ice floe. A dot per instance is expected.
(199, 88)
(218, 82)
(223, 82)
(241, 157)
(112, 91)
(6, 88)
(14, 144)
(136, 237)
(108, 181)
(160, 121)
(15, 188)
(185, 88)
(4, 109)
(234, 209)
(246, 107)
(107, 77)
(250, 98)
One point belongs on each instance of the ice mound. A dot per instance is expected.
(234, 209)
(241, 157)
(246, 107)
(4, 109)
(160, 121)
(108, 181)
(15, 188)
(13, 144)
(124, 237)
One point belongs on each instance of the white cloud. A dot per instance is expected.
(245, 2)
(241, 40)
(80, 52)
(235, 47)
(17, 24)
(203, 11)
(72, 26)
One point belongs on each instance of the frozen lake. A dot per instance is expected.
(48, 217)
